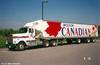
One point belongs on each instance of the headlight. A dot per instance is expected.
(14, 42)
(6, 42)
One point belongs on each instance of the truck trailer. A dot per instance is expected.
(51, 33)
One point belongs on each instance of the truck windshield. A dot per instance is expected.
(23, 30)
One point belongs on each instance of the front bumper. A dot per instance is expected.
(11, 46)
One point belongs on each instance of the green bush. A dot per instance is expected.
(2, 41)
(5, 33)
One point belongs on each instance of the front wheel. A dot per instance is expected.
(21, 46)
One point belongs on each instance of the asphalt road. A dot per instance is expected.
(73, 54)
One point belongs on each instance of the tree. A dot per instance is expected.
(7, 32)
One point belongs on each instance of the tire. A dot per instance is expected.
(88, 41)
(79, 41)
(53, 43)
(21, 46)
(93, 40)
(46, 44)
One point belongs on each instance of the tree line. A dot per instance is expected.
(7, 32)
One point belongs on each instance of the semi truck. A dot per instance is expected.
(51, 33)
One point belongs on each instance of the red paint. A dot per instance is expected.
(76, 32)
(68, 32)
(54, 28)
(20, 36)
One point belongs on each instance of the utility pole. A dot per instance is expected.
(43, 1)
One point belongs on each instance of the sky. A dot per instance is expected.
(15, 13)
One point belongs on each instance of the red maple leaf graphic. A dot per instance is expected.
(54, 28)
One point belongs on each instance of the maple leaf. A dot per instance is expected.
(54, 28)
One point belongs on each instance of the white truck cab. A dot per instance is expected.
(25, 37)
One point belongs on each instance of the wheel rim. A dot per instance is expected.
(46, 44)
(21, 46)
(79, 41)
(94, 40)
(88, 41)
(54, 44)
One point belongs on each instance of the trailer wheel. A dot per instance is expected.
(88, 40)
(46, 44)
(93, 40)
(79, 41)
(53, 43)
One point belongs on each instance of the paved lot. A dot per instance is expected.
(74, 54)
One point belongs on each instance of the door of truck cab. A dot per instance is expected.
(32, 33)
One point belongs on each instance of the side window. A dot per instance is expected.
(31, 30)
